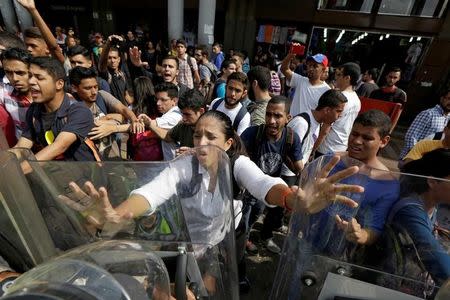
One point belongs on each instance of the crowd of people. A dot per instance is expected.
(127, 98)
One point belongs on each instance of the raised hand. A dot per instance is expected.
(325, 190)
(28, 4)
(135, 57)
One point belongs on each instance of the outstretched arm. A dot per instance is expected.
(47, 34)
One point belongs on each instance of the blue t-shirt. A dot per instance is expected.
(420, 227)
(378, 198)
(269, 153)
(374, 205)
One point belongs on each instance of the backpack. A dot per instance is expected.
(438, 135)
(109, 146)
(395, 253)
(241, 114)
(305, 116)
(213, 72)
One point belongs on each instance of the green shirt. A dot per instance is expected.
(182, 134)
(257, 110)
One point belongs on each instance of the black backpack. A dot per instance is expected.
(241, 114)
(395, 253)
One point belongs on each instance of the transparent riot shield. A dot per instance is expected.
(324, 258)
(188, 218)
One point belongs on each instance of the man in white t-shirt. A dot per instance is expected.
(236, 91)
(335, 138)
(166, 95)
(331, 106)
(307, 89)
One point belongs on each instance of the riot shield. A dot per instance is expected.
(322, 259)
(190, 221)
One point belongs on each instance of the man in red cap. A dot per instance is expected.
(307, 89)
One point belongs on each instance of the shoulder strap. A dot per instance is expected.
(255, 143)
(400, 204)
(241, 114)
(217, 103)
(191, 66)
(213, 77)
(438, 135)
(288, 142)
(306, 116)
(100, 102)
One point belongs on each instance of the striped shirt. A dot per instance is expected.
(427, 122)
(185, 75)
(16, 105)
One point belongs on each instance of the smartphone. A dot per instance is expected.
(297, 49)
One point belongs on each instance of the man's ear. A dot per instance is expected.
(244, 94)
(59, 84)
(384, 141)
(289, 117)
(201, 110)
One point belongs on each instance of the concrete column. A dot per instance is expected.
(23, 16)
(9, 15)
(206, 17)
(175, 15)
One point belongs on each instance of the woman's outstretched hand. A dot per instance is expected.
(94, 204)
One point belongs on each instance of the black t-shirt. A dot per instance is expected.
(269, 158)
(397, 96)
(71, 116)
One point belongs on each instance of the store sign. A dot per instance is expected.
(68, 8)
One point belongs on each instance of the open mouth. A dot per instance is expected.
(354, 149)
(35, 93)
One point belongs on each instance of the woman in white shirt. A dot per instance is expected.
(214, 128)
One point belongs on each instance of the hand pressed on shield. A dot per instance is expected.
(325, 190)
(94, 205)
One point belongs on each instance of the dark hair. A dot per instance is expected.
(181, 42)
(239, 54)
(331, 98)
(32, 32)
(217, 44)
(377, 119)
(353, 70)
(226, 63)
(77, 74)
(79, 50)
(435, 163)
(279, 99)
(203, 49)
(393, 69)
(51, 65)
(240, 77)
(373, 72)
(114, 49)
(172, 58)
(170, 88)
(144, 96)
(445, 92)
(16, 54)
(261, 75)
(237, 148)
(192, 99)
(9, 40)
